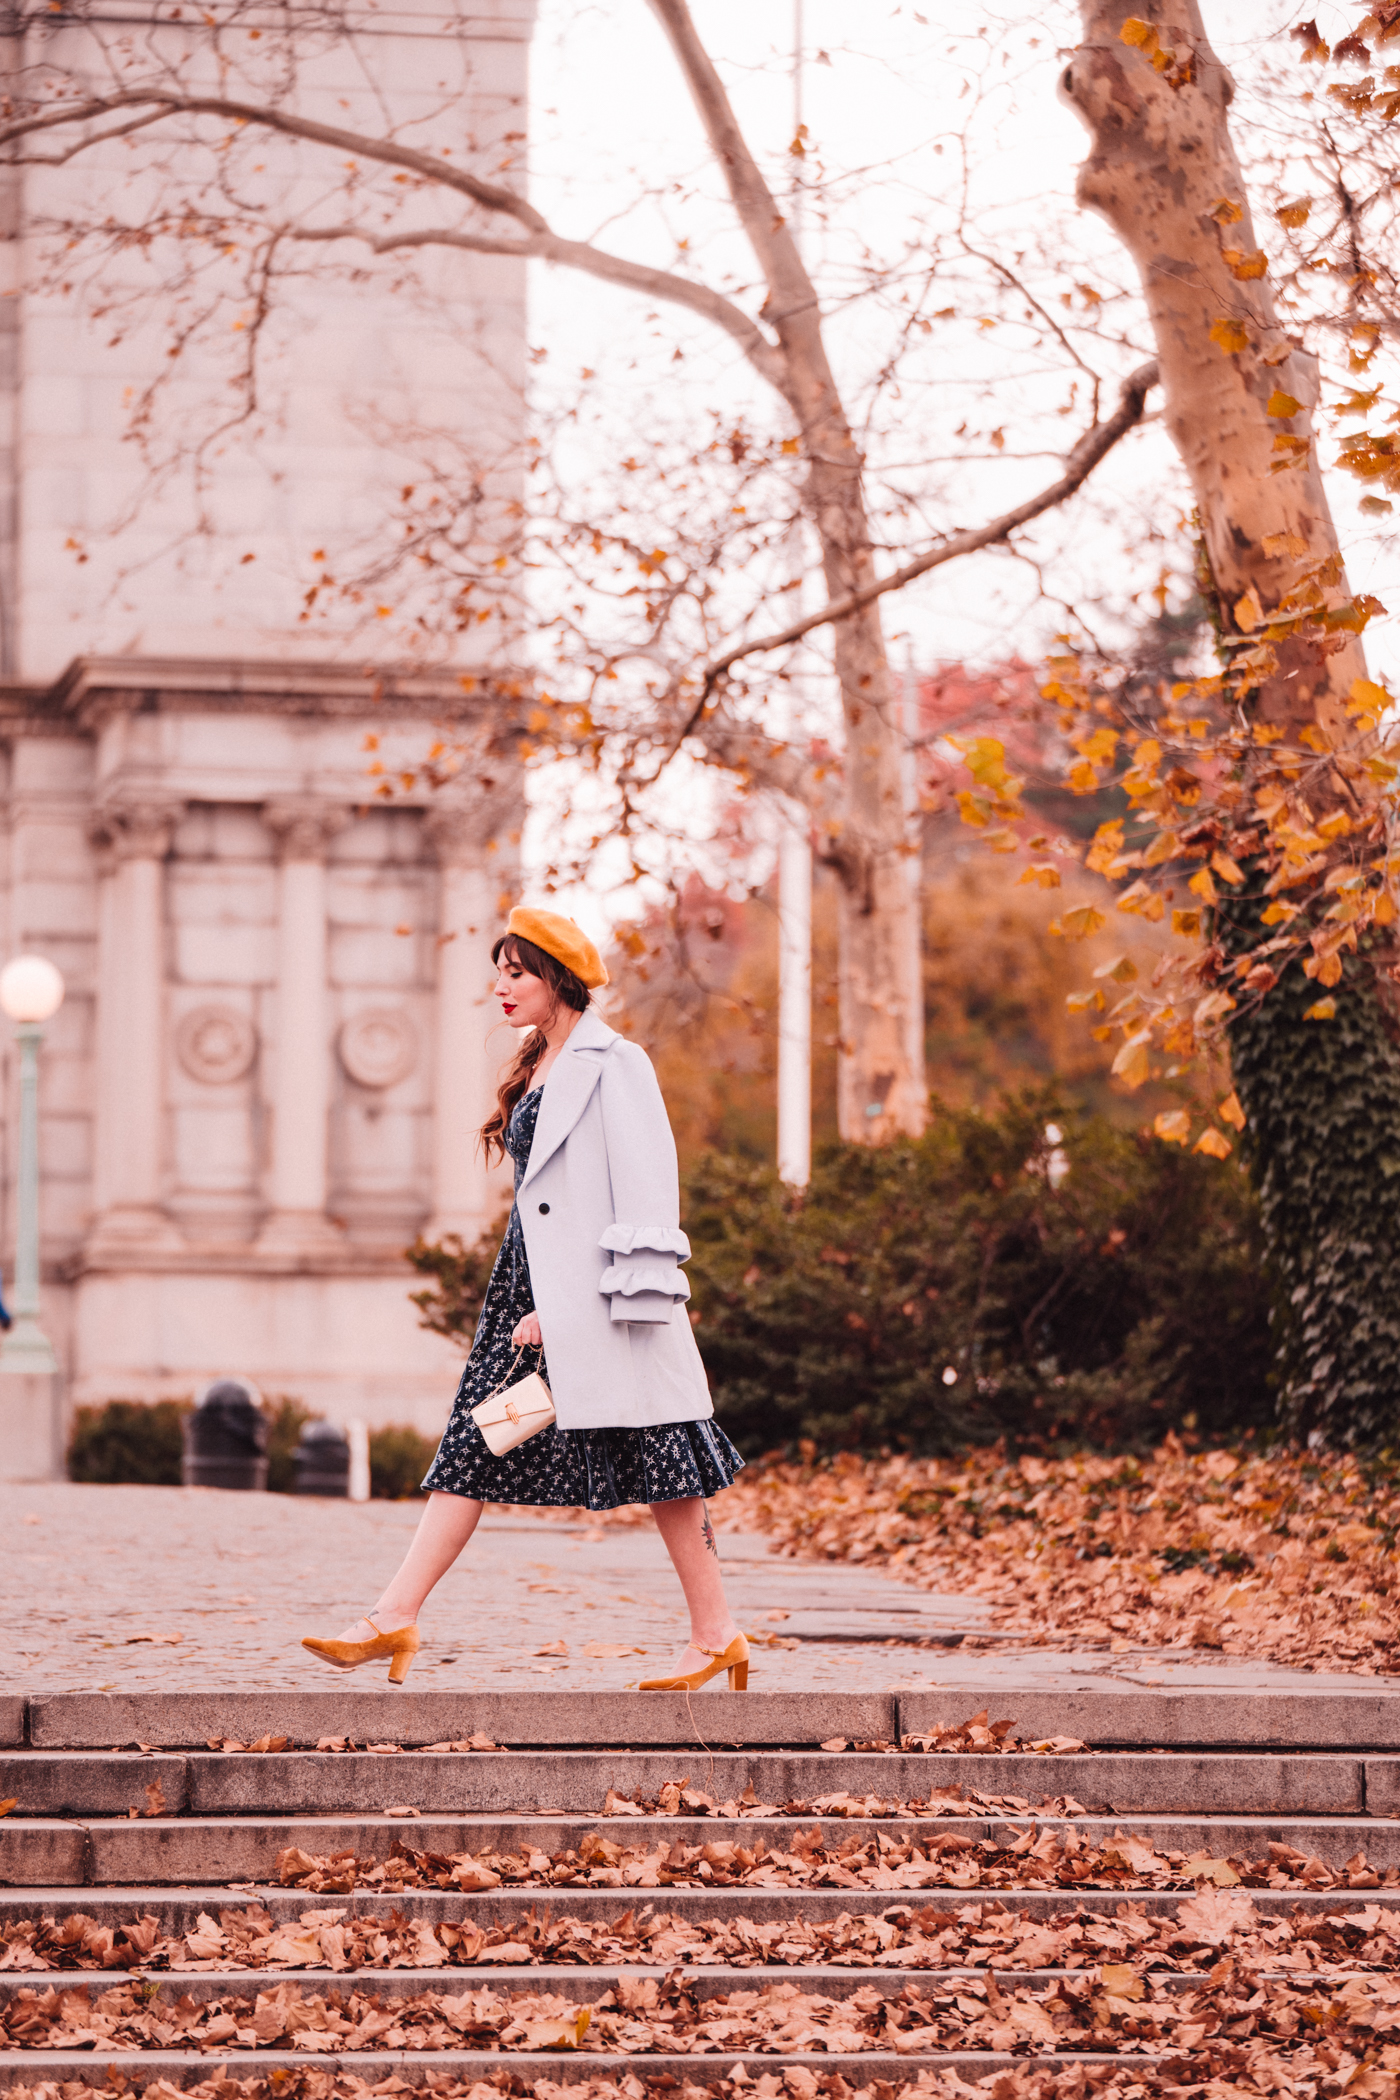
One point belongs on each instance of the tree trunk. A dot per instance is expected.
(879, 1093)
(1323, 1099)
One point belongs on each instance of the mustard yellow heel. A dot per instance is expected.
(734, 1659)
(400, 1646)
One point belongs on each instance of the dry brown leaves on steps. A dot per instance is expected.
(900, 1858)
(1303, 2025)
(1288, 1556)
(1216, 2070)
(1205, 1928)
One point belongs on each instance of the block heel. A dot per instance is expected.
(734, 1659)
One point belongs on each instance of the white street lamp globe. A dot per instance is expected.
(31, 989)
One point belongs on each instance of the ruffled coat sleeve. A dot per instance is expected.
(643, 1283)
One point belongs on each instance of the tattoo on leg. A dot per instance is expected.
(707, 1529)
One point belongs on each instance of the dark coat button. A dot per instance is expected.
(544, 1210)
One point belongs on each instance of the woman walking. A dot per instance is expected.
(587, 1290)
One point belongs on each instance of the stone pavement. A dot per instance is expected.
(143, 1590)
(131, 1588)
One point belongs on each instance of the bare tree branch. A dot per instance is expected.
(540, 240)
(596, 262)
(1097, 442)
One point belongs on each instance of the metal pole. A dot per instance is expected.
(914, 830)
(26, 1347)
(795, 851)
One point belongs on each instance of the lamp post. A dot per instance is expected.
(31, 992)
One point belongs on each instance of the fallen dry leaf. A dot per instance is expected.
(1283, 1555)
(601, 1650)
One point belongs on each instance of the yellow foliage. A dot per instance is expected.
(1322, 1010)
(1078, 924)
(1121, 969)
(1099, 747)
(1281, 405)
(1230, 1112)
(1187, 924)
(1132, 1064)
(1044, 874)
(1142, 901)
(1214, 1144)
(1229, 334)
(1248, 611)
(1203, 886)
(1173, 1125)
(1367, 698)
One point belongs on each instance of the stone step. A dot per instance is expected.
(186, 1851)
(76, 1782)
(177, 1911)
(582, 1985)
(126, 2070)
(1107, 1711)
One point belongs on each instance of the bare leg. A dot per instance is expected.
(443, 1530)
(685, 1527)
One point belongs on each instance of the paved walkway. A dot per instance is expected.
(133, 1589)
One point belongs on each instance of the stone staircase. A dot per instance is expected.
(732, 1887)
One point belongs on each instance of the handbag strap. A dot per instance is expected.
(514, 1361)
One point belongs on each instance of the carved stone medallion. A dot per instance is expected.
(216, 1044)
(379, 1047)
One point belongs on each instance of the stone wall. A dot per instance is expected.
(278, 1040)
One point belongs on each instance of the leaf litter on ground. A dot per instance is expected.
(1205, 1929)
(1286, 1555)
(1297, 2033)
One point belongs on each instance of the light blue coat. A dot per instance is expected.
(599, 1206)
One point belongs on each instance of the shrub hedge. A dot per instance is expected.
(140, 1443)
(1105, 1305)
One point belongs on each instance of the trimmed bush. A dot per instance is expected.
(958, 1288)
(286, 1419)
(136, 1442)
(140, 1443)
(1106, 1304)
(399, 1456)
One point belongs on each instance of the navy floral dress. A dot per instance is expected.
(568, 1468)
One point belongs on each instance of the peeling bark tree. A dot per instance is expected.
(1323, 1100)
(878, 1093)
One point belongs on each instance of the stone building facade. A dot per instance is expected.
(277, 1042)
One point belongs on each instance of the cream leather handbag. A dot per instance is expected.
(514, 1413)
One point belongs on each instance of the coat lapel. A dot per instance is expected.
(567, 1090)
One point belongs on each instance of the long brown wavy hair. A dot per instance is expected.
(568, 991)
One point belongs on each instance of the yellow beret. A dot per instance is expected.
(562, 938)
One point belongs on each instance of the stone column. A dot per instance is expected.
(297, 1221)
(132, 839)
(474, 877)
